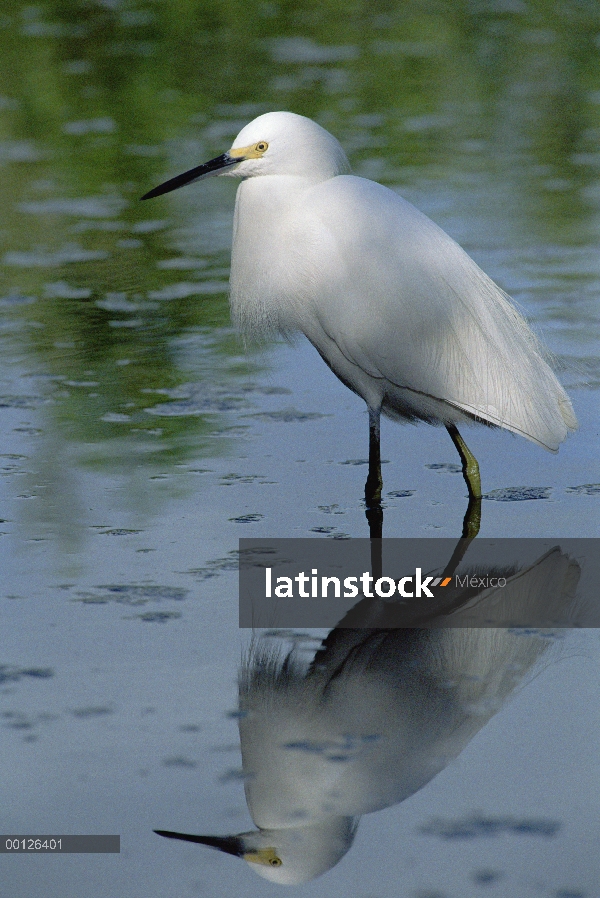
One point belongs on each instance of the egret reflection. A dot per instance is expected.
(371, 719)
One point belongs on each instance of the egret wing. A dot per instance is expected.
(402, 302)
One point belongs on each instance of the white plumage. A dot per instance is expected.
(395, 307)
(399, 312)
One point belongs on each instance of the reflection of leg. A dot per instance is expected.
(374, 482)
(375, 520)
(472, 519)
(470, 467)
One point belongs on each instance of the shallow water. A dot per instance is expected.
(141, 439)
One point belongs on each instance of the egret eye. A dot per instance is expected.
(275, 862)
(262, 146)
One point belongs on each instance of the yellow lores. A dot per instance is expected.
(251, 152)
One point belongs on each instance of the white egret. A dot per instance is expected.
(377, 715)
(397, 310)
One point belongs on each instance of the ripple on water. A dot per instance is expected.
(62, 290)
(12, 674)
(302, 50)
(158, 617)
(19, 151)
(131, 594)
(80, 207)
(519, 493)
(70, 253)
(476, 826)
(585, 489)
(446, 467)
(287, 416)
(104, 125)
(16, 299)
(185, 289)
(92, 711)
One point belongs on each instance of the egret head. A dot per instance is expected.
(283, 143)
(276, 143)
(285, 856)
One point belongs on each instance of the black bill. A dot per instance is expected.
(230, 844)
(194, 174)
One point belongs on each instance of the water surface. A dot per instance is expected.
(141, 439)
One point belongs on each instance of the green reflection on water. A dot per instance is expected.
(99, 101)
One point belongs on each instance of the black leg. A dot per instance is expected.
(373, 486)
(374, 482)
